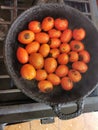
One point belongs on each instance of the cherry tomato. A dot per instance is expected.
(84, 56)
(54, 42)
(64, 48)
(63, 59)
(73, 56)
(54, 33)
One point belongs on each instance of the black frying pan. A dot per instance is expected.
(58, 96)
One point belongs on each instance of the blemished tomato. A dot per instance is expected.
(22, 55)
(66, 83)
(41, 74)
(45, 86)
(50, 65)
(61, 24)
(54, 53)
(47, 23)
(73, 56)
(54, 42)
(42, 37)
(79, 34)
(44, 50)
(37, 60)
(74, 75)
(63, 59)
(80, 66)
(54, 79)
(32, 47)
(64, 48)
(66, 35)
(84, 56)
(54, 33)
(76, 46)
(28, 72)
(62, 70)
(26, 37)
(35, 26)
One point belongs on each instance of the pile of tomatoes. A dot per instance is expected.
(50, 47)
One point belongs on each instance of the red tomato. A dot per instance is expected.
(54, 42)
(53, 33)
(84, 56)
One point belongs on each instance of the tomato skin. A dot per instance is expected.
(44, 50)
(84, 56)
(64, 48)
(22, 55)
(63, 59)
(54, 53)
(54, 42)
(73, 56)
(53, 33)
(41, 74)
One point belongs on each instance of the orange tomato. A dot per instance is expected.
(37, 60)
(61, 24)
(73, 56)
(28, 72)
(41, 74)
(45, 86)
(44, 50)
(53, 33)
(64, 48)
(22, 55)
(66, 35)
(84, 56)
(50, 65)
(54, 42)
(47, 23)
(62, 70)
(34, 26)
(54, 53)
(42, 37)
(26, 37)
(63, 59)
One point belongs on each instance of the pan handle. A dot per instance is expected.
(62, 116)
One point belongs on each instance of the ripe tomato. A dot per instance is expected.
(37, 60)
(53, 33)
(41, 74)
(47, 23)
(74, 75)
(45, 86)
(22, 55)
(34, 26)
(66, 35)
(44, 50)
(79, 34)
(84, 56)
(54, 79)
(73, 56)
(28, 72)
(61, 24)
(50, 65)
(64, 48)
(42, 37)
(62, 70)
(32, 47)
(76, 46)
(54, 42)
(63, 59)
(54, 53)
(80, 66)
(66, 83)
(26, 37)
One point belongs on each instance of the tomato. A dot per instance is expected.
(79, 34)
(80, 66)
(26, 37)
(54, 53)
(22, 55)
(63, 59)
(47, 23)
(73, 56)
(74, 75)
(62, 70)
(45, 86)
(66, 83)
(37, 60)
(84, 56)
(54, 42)
(54, 79)
(76, 45)
(64, 48)
(61, 24)
(66, 35)
(41, 74)
(54, 33)
(28, 72)
(34, 26)
(44, 50)
(50, 65)
(42, 37)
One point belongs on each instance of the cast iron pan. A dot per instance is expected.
(58, 96)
